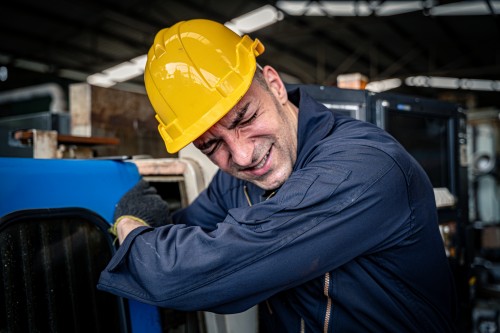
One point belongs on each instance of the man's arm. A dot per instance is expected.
(305, 230)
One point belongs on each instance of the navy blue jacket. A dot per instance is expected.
(349, 243)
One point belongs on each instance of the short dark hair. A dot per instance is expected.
(259, 77)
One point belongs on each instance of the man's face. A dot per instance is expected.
(257, 140)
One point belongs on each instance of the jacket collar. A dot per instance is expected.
(315, 123)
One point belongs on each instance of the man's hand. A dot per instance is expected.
(123, 226)
(141, 205)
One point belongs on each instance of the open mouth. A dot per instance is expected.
(263, 162)
(262, 168)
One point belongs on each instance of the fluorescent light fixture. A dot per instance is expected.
(122, 72)
(383, 85)
(347, 8)
(125, 71)
(267, 15)
(119, 73)
(100, 80)
(140, 61)
(389, 8)
(385, 8)
(452, 83)
(462, 8)
(325, 8)
(255, 20)
(486, 85)
(296, 8)
(444, 82)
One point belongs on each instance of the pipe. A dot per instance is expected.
(58, 102)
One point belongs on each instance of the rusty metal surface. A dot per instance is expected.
(107, 112)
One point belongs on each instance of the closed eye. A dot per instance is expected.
(213, 148)
(249, 120)
(208, 147)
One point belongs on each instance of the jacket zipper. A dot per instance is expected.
(328, 303)
(328, 311)
(327, 279)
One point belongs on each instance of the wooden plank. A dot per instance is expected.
(27, 135)
(162, 166)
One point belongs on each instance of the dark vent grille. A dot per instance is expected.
(50, 264)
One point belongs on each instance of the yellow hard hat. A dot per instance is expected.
(196, 72)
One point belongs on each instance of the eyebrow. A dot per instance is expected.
(239, 116)
(206, 145)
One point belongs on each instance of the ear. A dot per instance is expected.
(275, 84)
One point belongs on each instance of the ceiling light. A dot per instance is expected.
(383, 85)
(462, 8)
(452, 83)
(100, 80)
(325, 8)
(119, 73)
(389, 8)
(296, 8)
(122, 72)
(444, 82)
(348, 8)
(255, 20)
(385, 8)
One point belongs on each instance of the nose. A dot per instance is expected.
(241, 152)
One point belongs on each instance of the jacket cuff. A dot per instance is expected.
(123, 250)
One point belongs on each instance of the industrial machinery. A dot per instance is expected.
(56, 205)
(484, 184)
(54, 242)
(434, 132)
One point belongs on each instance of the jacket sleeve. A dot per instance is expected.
(208, 209)
(324, 215)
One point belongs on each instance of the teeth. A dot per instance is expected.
(261, 164)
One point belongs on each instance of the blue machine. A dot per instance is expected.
(73, 201)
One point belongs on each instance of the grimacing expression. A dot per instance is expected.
(256, 140)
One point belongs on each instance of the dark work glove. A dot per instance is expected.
(142, 203)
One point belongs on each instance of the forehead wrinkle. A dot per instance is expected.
(239, 116)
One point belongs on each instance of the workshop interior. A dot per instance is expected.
(74, 116)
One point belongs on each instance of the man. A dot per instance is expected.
(323, 220)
